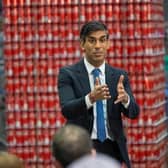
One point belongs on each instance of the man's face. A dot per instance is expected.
(95, 47)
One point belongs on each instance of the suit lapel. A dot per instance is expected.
(83, 77)
(110, 81)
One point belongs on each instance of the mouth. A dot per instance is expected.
(98, 54)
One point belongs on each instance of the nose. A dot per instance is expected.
(97, 44)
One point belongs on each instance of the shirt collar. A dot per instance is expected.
(90, 67)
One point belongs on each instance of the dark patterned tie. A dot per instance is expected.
(101, 133)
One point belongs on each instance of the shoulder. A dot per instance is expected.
(72, 68)
(116, 70)
(90, 161)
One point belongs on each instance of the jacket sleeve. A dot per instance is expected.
(73, 106)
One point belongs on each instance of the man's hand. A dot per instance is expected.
(122, 94)
(100, 92)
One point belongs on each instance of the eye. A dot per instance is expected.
(103, 40)
(91, 40)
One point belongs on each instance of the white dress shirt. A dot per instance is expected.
(89, 69)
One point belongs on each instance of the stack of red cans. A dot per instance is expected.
(145, 49)
(42, 36)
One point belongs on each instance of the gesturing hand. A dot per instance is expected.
(100, 92)
(122, 94)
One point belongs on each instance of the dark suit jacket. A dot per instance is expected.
(73, 86)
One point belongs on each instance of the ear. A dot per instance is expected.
(82, 45)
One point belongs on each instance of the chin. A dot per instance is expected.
(98, 62)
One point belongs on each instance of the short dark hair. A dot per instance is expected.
(90, 27)
(70, 142)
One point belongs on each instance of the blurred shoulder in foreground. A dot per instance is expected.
(97, 161)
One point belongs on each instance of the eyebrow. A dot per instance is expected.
(96, 38)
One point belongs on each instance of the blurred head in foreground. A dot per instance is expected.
(8, 160)
(70, 143)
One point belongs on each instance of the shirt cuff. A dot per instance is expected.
(88, 102)
(126, 104)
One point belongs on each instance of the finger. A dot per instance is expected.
(121, 79)
(107, 96)
(97, 82)
(121, 91)
(120, 86)
(121, 98)
(118, 100)
(104, 88)
(106, 92)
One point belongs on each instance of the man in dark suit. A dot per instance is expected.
(91, 88)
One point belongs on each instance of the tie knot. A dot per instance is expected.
(96, 72)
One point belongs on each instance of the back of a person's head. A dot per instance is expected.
(8, 160)
(97, 161)
(70, 142)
